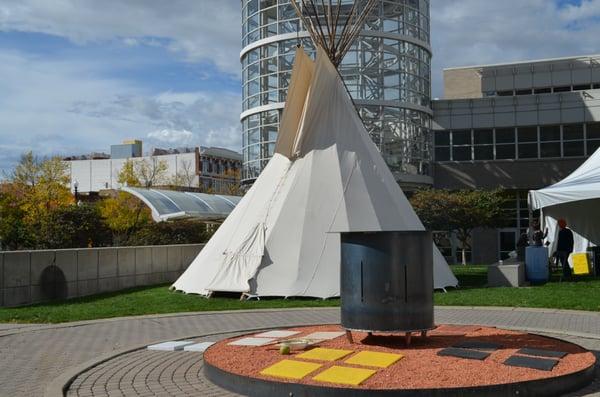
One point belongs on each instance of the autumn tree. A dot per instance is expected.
(127, 175)
(143, 172)
(75, 226)
(151, 172)
(459, 211)
(185, 175)
(173, 232)
(233, 187)
(124, 214)
(35, 189)
(15, 233)
(42, 185)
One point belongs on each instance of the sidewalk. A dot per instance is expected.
(38, 358)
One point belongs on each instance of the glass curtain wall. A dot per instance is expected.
(387, 71)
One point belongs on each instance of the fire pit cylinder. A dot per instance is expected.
(387, 281)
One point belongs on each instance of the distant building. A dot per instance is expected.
(206, 169)
(218, 168)
(387, 71)
(128, 149)
(517, 126)
(91, 156)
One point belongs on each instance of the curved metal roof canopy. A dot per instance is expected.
(169, 204)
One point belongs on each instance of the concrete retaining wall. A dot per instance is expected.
(28, 277)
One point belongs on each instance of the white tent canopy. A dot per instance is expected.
(325, 177)
(575, 199)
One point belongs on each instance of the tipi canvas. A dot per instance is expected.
(325, 177)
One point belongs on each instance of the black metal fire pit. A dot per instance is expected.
(387, 282)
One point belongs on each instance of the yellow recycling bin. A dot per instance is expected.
(581, 263)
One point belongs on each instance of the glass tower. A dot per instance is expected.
(387, 72)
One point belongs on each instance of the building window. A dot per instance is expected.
(461, 137)
(527, 142)
(581, 87)
(461, 145)
(483, 144)
(442, 145)
(517, 216)
(573, 140)
(505, 143)
(374, 69)
(523, 92)
(442, 153)
(550, 141)
(593, 137)
(545, 90)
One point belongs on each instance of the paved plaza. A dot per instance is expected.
(108, 357)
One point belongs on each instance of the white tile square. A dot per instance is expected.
(277, 334)
(252, 341)
(171, 346)
(324, 335)
(198, 347)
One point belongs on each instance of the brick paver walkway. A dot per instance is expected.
(32, 358)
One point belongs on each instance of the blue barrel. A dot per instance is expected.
(536, 264)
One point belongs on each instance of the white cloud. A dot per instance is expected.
(200, 30)
(63, 107)
(475, 32)
(177, 137)
(67, 107)
(586, 10)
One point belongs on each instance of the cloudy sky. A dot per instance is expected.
(78, 75)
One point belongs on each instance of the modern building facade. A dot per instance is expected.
(517, 126)
(208, 169)
(128, 149)
(387, 72)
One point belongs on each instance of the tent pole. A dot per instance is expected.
(530, 223)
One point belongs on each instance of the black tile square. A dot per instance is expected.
(544, 364)
(478, 345)
(541, 352)
(463, 353)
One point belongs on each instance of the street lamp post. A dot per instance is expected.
(76, 186)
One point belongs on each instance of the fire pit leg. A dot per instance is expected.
(349, 336)
(407, 337)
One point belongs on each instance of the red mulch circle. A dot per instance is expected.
(421, 367)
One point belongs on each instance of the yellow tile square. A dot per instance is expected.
(374, 359)
(345, 375)
(290, 369)
(322, 354)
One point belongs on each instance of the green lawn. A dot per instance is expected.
(583, 294)
(139, 301)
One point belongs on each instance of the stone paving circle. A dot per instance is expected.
(109, 357)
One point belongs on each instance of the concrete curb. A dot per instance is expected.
(43, 327)
(28, 327)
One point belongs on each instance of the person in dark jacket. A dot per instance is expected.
(564, 247)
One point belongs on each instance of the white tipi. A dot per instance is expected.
(325, 177)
